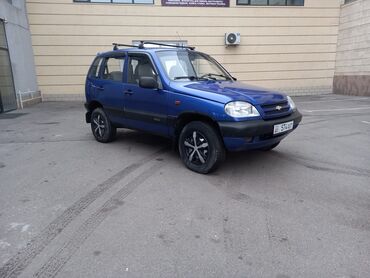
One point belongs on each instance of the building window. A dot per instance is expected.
(116, 1)
(270, 2)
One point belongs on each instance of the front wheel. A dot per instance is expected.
(200, 147)
(101, 126)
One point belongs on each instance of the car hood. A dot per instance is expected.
(226, 91)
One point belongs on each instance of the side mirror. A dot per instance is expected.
(148, 82)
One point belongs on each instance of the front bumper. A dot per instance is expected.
(255, 134)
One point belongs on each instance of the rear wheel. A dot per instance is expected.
(269, 148)
(200, 147)
(101, 127)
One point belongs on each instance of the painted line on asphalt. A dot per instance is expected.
(365, 122)
(332, 100)
(16, 265)
(324, 165)
(337, 109)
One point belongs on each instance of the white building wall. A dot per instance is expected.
(291, 49)
(352, 69)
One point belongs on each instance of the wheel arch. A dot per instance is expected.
(184, 118)
(91, 106)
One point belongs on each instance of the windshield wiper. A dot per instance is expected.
(210, 75)
(191, 77)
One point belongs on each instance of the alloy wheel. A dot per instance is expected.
(99, 125)
(196, 148)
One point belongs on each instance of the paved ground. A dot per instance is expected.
(72, 207)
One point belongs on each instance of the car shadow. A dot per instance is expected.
(247, 160)
(235, 161)
(140, 137)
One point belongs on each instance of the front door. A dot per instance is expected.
(145, 109)
(8, 99)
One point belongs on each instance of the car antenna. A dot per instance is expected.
(180, 39)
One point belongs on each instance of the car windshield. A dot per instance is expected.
(190, 65)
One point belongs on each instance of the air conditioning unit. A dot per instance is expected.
(232, 38)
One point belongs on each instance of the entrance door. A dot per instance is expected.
(8, 99)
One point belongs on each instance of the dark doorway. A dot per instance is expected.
(8, 100)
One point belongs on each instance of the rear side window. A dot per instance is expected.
(113, 69)
(95, 68)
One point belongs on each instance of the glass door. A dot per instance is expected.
(8, 99)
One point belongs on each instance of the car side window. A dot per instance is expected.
(139, 66)
(95, 68)
(113, 68)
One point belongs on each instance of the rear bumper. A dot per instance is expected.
(88, 117)
(255, 134)
(88, 113)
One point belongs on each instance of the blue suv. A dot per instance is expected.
(187, 96)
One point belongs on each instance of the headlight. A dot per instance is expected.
(241, 109)
(291, 103)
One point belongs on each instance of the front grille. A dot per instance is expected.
(276, 110)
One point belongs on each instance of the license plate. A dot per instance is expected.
(283, 127)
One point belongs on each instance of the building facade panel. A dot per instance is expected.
(290, 48)
(352, 71)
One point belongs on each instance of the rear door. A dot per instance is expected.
(109, 87)
(92, 77)
(145, 109)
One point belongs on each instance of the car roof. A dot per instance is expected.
(138, 50)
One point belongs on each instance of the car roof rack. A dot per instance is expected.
(142, 45)
(116, 45)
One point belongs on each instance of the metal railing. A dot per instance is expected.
(32, 96)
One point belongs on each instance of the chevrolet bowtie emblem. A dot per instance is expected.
(278, 107)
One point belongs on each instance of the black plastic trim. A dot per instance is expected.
(145, 116)
(256, 127)
(88, 117)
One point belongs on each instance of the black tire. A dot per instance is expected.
(269, 148)
(209, 151)
(101, 127)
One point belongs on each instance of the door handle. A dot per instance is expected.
(97, 87)
(128, 92)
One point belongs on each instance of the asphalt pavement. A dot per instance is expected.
(73, 207)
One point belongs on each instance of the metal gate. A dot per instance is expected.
(8, 100)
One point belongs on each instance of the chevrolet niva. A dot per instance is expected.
(187, 96)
